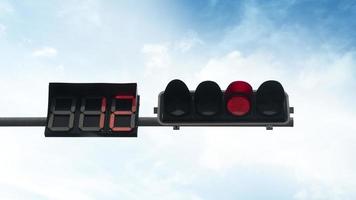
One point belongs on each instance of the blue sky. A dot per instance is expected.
(309, 46)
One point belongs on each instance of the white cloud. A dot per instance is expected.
(156, 57)
(42, 168)
(83, 12)
(328, 71)
(190, 40)
(2, 29)
(6, 8)
(45, 52)
(254, 68)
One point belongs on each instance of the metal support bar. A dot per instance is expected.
(142, 121)
(41, 121)
(148, 121)
(23, 121)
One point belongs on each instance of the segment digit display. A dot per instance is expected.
(61, 117)
(92, 113)
(92, 109)
(123, 109)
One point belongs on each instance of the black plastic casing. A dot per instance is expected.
(84, 90)
(224, 118)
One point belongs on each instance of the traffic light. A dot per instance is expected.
(238, 105)
(92, 109)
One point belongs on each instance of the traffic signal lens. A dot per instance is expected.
(239, 87)
(177, 99)
(270, 98)
(238, 105)
(208, 98)
(238, 95)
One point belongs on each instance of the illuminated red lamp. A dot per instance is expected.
(238, 98)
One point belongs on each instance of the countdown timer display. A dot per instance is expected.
(92, 109)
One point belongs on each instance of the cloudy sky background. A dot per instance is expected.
(309, 46)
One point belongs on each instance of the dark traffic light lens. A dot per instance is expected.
(208, 98)
(270, 98)
(177, 99)
(238, 95)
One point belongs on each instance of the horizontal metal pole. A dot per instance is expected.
(41, 121)
(23, 121)
(148, 121)
(142, 121)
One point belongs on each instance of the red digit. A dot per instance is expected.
(118, 109)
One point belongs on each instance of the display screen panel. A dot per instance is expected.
(92, 109)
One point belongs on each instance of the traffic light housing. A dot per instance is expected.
(238, 105)
(92, 110)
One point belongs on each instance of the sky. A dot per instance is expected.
(308, 46)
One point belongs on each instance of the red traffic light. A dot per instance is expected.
(238, 105)
(238, 98)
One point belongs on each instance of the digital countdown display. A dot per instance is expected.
(92, 109)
